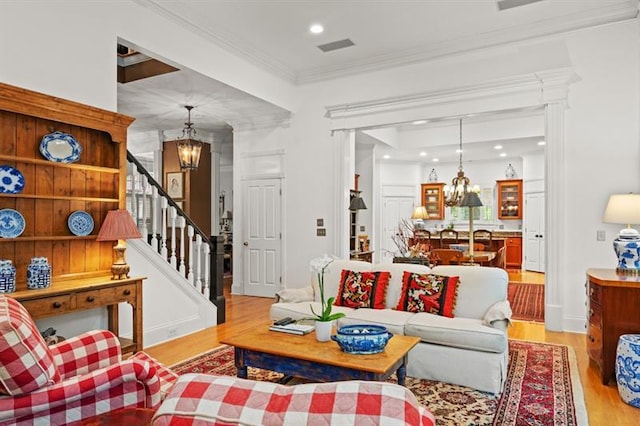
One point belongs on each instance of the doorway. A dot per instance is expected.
(262, 243)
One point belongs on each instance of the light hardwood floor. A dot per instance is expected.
(603, 403)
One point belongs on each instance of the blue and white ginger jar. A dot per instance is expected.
(38, 273)
(7, 276)
(628, 368)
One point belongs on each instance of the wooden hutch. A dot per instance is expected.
(96, 183)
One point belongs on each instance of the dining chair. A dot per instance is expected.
(500, 261)
(448, 236)
(446, 256)
(483, 236)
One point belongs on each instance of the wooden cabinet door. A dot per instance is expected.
(433, 200)
(514, 252)
(509, 199)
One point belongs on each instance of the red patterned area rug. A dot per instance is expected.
(527, 301)
(542, 388)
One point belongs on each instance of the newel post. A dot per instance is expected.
(216, 290)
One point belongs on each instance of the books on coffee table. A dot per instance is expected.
(292, 328)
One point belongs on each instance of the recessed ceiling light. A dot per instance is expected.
(503, 154)
(316, 28)
(497, 147)
(423, 154)
(419, 122)
(458, 151)
(435, 160)
(542, 143)
(386, 156)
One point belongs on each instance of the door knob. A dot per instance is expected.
(246, 244)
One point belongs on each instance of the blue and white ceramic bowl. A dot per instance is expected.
(362, 339)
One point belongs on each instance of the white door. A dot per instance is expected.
(262, 245)
(394, 210)
(534, 232)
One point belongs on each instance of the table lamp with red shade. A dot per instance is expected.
(119, 226)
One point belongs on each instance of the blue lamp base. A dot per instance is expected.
(627, 249)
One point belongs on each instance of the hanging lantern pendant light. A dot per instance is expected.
(460, 184)
(189, 148)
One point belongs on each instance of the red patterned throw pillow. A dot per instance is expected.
(434, 294)
(363, 289)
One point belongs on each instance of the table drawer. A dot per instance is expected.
(594, 342)
(595, 293)
(106, 296)
(54, 305)
(595, 314)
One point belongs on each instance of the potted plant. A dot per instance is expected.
(324, 319)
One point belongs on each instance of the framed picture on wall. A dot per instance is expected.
(175, 184)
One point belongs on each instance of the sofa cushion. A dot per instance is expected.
(390, 318)
(431, 293)
(396, 271)
(465, 333)
(480, 287)
(362, 289)
(26, 362)
(206, 400)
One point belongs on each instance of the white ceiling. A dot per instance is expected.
(275, 35)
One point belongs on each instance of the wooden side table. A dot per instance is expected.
(79, 294)
(613, 310)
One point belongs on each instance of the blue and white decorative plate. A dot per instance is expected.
(80, 223)
(60, 147)
(11, 180)
(11, 223)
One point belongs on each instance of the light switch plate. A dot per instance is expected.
(319, 222)
(321, 232)
(601, 235)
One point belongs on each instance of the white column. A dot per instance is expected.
(554, 214)
(555, 91)
(344, 149)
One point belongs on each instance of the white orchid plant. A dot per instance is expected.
(319, 265)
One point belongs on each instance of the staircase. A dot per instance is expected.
(195, 259)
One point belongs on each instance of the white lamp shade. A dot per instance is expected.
(420, 212)
(624, 209)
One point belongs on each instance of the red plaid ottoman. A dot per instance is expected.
(202, 399)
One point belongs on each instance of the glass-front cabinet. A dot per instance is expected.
(509, 199)
(433, 200)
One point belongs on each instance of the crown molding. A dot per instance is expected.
(505, 94)
(501, 38)
(603, 15)
(247, 53)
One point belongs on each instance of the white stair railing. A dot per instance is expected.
(178, 240)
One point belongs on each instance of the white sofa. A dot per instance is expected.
(470, 349)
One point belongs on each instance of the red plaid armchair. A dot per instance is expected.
(78, 378)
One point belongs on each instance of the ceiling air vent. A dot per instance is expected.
(508, 4)
(335, 45)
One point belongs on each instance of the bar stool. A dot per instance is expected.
(628, 368)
